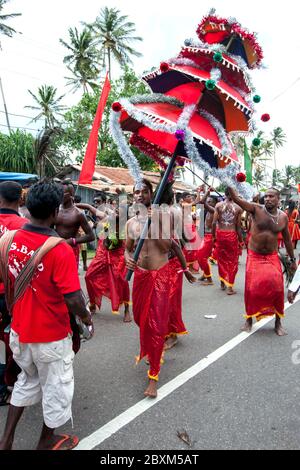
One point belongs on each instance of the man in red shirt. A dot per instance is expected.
(41, 336)
(10, 197)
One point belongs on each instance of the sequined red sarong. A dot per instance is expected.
(176, 325)
(228, 256)
(150, 299)
(106, 277)
(264, 290)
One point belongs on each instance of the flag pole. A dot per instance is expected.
(157, 200)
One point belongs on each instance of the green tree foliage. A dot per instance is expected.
(20, 152)
(4, 29)
(17, 152)
(114, 36)
(47, 105)
(79, 120)
(83, 60)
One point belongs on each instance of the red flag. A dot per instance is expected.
(89, 162)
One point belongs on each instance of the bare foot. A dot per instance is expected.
(170, 342)
(231, 291)
(127, 318)
(151, 390)
(280, 331)
(223, 287)
(248, 325)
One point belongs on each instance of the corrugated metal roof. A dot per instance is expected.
(110, 178)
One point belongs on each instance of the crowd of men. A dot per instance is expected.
(44, 312)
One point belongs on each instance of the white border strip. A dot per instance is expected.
(139, 408)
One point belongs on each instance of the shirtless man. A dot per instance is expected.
(70, 219)
(151, 285)
(227, 237)
(264, 290)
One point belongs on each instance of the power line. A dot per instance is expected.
(21, 115)
(23, 74)
(19, 127)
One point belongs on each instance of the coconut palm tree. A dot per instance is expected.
(4, 29)
(48, 158)
(82, 79)
(114, 34)
(278, 138)
(83, 61)
(48, 105)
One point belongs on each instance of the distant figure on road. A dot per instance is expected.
(70, 219)
(264, 290)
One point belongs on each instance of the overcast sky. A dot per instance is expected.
(35, 58)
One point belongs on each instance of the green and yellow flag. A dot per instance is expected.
(247, 163)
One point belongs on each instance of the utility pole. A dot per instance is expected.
(5, 108)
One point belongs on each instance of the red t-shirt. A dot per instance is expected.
(41, 315)
(9, 220)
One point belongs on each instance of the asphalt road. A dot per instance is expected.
(249, 398)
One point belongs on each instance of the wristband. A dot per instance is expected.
(183, 271)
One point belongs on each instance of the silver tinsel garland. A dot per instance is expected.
(156, 98)
(226, 148)
(127, 156)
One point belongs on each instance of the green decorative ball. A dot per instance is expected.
(256, 142)
(210, 84)
(218, 57)
(256, 99)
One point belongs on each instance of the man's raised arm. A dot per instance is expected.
(247, 206)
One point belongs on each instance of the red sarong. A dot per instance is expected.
(106, 277)
(228, 256)
(264, 289)
(204, 253)
(176, 325)
(193, 244)
(150, 299)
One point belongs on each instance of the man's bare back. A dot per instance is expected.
(228, 214)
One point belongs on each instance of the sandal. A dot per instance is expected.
(66, 442)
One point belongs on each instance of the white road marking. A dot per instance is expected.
(113, 426)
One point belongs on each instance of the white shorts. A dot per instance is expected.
(47, 374)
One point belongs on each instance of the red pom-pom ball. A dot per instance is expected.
(241, 177)
(265, 117)
(164, 67)
(116, 106)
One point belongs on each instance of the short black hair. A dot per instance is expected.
(77, 199)
(43, 199)
(275, 191)
(168, 194)
(186, 194)
(10, 191)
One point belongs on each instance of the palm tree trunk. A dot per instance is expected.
(109, 63)
(275, 166)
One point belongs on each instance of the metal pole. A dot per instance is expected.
(157, 199)
(5, 108)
